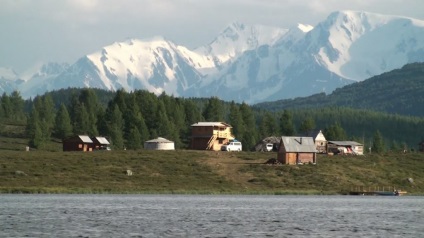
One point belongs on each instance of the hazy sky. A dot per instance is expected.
(37, 31)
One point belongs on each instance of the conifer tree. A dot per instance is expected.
(134, 139)
(38, 140)
(378, 143)
(250, 137)
(286, 124)
(148, 103)
(236, 121)
(88, 98)
(214, 110)
(63, 126)
(163, 126)
(81, 120)
(6, 106)
(115, 128)
(144, 131)
(268, 126)
(17, 106)
(307, 125)
(335, 132)
(34, 129)
(192, 113)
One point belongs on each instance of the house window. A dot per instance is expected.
(220, 141)
(80, 146)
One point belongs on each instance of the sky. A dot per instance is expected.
(33, 32)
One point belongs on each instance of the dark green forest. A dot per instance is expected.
(129, 119)
(399, 91)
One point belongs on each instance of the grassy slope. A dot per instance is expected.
(187, 171)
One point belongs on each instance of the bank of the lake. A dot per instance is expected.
(203, 172)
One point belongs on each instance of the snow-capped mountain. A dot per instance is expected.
(37, 82)
(9, 80)
(247, 63)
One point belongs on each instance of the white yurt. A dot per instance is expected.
(159, 144)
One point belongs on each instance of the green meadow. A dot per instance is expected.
(199, 172)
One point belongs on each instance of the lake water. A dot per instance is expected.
(210, 216)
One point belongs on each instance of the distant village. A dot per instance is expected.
(217, 136)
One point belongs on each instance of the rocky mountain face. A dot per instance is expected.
(245, 63)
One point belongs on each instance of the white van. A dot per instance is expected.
(233, 145)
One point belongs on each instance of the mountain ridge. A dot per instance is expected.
(400, 91)
(250, 63)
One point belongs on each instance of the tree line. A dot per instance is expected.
(128, 119)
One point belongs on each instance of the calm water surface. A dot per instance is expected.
(210, 216)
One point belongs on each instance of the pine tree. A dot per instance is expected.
(38, 140)
(81, 120)
(250, 137)
(236, 121)
(144, 131)
(268, 126)
(88, 98)
(6, 106)
(115, 128)
(134, 139)
(214, 110)
(335, 132)
(378, 143)
(163, 126)
(17, 106)
(286, 124)
(307, 125)
(63, 126)
(34, 130)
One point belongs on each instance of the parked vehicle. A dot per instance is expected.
(232, 145)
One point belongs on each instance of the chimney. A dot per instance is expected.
(300, 140)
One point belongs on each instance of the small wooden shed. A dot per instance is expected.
(100, 143)
(159, 143)
(297, 150)
(78, 143)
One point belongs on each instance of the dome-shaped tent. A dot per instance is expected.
(159, 144)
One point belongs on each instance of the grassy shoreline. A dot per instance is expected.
(202, 172)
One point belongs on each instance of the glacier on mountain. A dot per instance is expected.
(244, 63)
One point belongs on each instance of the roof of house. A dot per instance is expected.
(102, 140)
(85, 139)
(159, 140)
(298, 144)
(344, 143)
(206, 123)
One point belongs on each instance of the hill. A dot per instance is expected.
(400, 91)
(203, 172)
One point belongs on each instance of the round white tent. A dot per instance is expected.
(159, 144)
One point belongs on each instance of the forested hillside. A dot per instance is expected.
(129, 119)
(399, 91)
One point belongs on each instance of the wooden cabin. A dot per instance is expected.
(345, 147)
(210, 135)
(297, 150)
(78, 143)
(100, 143)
